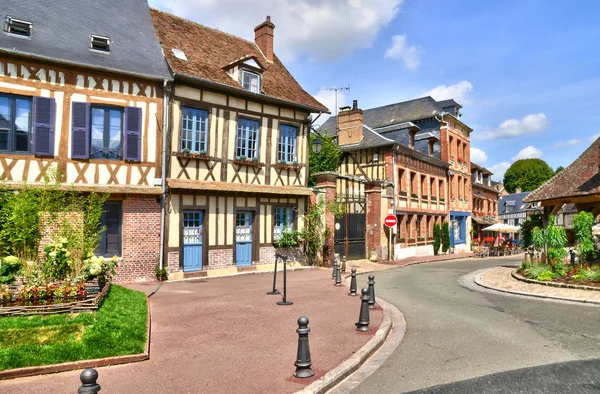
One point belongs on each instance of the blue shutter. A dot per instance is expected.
(43, 126)
(80, 131)
(133, 133)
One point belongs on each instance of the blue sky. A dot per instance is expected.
(525, 71)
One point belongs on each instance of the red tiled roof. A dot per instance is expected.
(210, 51)
(581, 178)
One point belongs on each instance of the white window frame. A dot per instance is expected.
(250, 87)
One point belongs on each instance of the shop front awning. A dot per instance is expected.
(187, 184)
(483, 222)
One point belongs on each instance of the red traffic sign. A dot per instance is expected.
(390, 220)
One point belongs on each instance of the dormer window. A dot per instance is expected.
(17, 26)
(100, 43)
(251, 81)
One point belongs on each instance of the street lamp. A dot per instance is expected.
(317, 144)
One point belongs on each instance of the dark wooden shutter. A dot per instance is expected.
(80, 131)
(43, 126)
(133, 133)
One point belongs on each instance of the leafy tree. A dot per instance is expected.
(527, 227)
(582, 224)
(445, 238)
(527, 174)
(559, 169)
(437, 239)
(328, 159)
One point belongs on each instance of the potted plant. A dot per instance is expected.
(97, 267)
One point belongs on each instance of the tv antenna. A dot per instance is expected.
(336, 90)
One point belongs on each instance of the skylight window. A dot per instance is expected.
(17, 26)
(179, 54)
(100, 43)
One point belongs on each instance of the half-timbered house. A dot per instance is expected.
(82, 92)
(238, 148)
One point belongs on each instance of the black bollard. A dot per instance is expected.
(88, 378)
(363, 318)
(338, 276)
(285, 301)
(353, 283)
(275, 291)
(303, 362)
(371, 291)
(334, 269)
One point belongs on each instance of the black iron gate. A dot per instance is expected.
(350, 231)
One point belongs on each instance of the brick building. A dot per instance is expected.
(83, 94)
(485, 199)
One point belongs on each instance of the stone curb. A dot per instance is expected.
(82, 364)
(350, 365)
(481, 283)
(516, 276)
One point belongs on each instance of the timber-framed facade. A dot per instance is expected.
(237, 150)
(94, 117)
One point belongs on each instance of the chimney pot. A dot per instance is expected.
(354, 104)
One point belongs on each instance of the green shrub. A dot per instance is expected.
(546, 276)
(582, 226)
(437, 239)
(536, 269)
(9, 268)
(592, 274)
(288, 239)
(559, 270)
(445, 238)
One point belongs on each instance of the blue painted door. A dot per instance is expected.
(243, 239)
(192, 241)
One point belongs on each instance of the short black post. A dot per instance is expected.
(88, 378)
(371, 291)
(285, 301)
(338, 275)
(353, 284)
(275, 291)
(572, 254)
(303, 363)
(363, 318)
(334, 269)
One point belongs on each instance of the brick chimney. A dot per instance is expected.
(350, 125)
(263, 37)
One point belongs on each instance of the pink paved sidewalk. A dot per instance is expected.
(226, 335)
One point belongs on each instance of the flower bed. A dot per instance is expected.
(579, 274)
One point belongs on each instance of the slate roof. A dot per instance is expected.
(62, 28)
(581, 178)
(406, 111)
(210, 52)
(449, 103)
(371, 139)
(480, 169)
(516, 200)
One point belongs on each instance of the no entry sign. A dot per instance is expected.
(390, 221)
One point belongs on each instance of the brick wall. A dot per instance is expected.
(220, 258)
(294, 255)
(173, 262)
(140, 239)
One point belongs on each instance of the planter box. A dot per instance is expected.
(248, 163)
(197, 156)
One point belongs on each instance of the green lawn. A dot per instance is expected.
(117, 328)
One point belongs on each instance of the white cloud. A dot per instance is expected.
(478, 156)
(512, 128)
(594, 137)
(327, 97)
(530, 152)
(400, 50)
(568, 143)
(499, 169)
(327, 29)
(458, 92)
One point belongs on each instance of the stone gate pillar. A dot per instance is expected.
(374, 220)
(326, 185)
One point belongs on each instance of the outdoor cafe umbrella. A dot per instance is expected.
(596, 229)
(502, 228)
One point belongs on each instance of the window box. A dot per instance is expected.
(402, 194)
(290, 166)
(401, 240)
(414, 196)
(433, 198)
(420, 239)
(246, 162)
(194, 155)
(442, 199)
(411, 240)
(424, 197)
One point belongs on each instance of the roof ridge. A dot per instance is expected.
(208, 27)
(376, 133)
(563, 172)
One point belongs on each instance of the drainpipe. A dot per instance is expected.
(392, 253)
(163, 178)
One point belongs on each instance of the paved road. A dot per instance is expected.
(456, 333)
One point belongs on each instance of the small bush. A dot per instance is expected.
(437, 239)
(445, 237)
(546, 276)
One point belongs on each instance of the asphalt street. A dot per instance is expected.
(462, 339)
